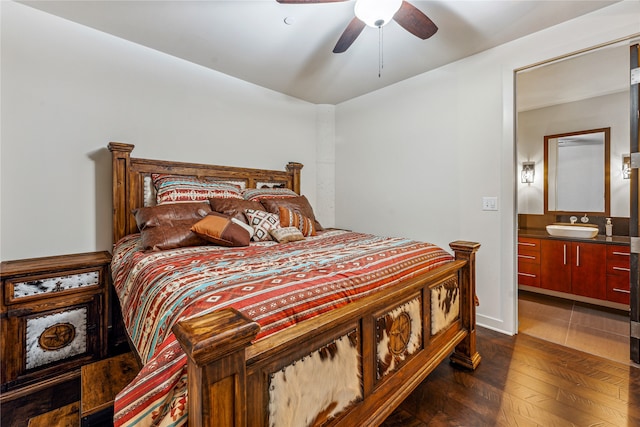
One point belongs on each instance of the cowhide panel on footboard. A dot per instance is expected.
(445, 305)
(316, 388)
(398, 335)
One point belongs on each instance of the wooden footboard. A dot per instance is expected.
(385, 344)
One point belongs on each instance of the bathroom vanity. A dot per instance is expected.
(592, 270)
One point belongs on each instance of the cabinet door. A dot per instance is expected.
(555, 265)
(588, 270)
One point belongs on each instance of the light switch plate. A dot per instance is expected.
(489, 203)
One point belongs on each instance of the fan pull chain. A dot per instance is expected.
(380, 52)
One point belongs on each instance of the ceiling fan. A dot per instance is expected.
(377, 13)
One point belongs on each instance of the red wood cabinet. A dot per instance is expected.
(555, 265)
(574, 267)
(618, 267)
(529, 261)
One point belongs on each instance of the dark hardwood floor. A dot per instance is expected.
(525, 381)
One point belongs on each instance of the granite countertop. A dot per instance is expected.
(600, 238)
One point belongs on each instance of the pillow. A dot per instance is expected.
(244, 225)
(290, 218)
(286, 234)
(259, 194)
(169, 226)
(176, 188)
(234, 207)
(298, 203)
(221, 230)
(262, 222)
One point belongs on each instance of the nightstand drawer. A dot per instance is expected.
(26, 288)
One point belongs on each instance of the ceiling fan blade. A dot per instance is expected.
(308, 1)
(349, 35)
(413, 20)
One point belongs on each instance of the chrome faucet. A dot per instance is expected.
(584, 219)
(573, 219)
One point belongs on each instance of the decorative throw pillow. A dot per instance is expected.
(234, 207)
(262, 222)
(177, 188)
(244, 225)
(298, 203)
(291, 218)
(169, 226)
(259, 194)
(286, 234)
(221, 230)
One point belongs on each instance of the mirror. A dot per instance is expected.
(576, 172)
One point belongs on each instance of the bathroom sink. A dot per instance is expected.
(573, 230)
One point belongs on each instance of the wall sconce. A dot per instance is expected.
(528, 172)
(626, 166)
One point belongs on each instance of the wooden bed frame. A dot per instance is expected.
(228, 375)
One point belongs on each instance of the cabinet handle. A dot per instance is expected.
(564, 252)
(621, 253)
(624, 291)
(577, 256)
(526, 256)
(526, 244)
(621, 269)
(527, 275)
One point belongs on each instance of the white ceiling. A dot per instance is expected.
(249, 39)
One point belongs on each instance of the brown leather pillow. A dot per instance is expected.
(169, 226)
(234, 207)
(300, 204)
(221, 230)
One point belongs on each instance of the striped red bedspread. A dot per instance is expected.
(276, 285)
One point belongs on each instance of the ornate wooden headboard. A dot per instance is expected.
(130, 174)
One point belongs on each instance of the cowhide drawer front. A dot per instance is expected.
(53, 318)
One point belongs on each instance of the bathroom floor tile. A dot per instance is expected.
(615, 322)
(598, 342)
(554, 330)
(545, 308)
(602, 332)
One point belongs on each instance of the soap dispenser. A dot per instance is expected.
(608, 228)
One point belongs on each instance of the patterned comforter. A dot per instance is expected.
(276, 285)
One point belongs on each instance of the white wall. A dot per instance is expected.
(415, 159)
(67, 90)
(610, 110)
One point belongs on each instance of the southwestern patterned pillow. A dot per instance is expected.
(298, 203)
(262, 222)
(259, 194)
(286, 234)
(291, 218)
(177, 188)
(221, 230)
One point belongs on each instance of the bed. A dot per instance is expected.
(332, 328)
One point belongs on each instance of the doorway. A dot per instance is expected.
(588, 90)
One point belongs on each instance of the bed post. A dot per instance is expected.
(121, 155)
(465, 354)
(215, 346)
(294, 169)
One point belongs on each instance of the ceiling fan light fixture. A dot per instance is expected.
(376, 13)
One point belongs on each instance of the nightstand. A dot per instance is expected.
(54, 318)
